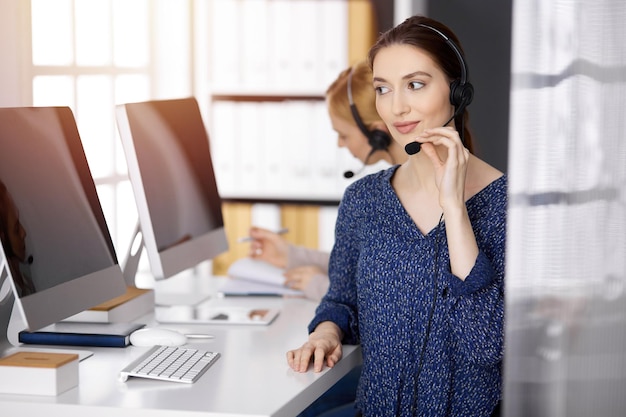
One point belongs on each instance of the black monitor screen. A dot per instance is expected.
(52, 228)
(170, 167)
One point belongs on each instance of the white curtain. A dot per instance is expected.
(566, 240)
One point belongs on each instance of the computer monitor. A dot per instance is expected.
(56, 249)
(169, 165)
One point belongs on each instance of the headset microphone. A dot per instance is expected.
(414, 147)
(350, 174)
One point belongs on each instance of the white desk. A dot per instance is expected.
(251, 378)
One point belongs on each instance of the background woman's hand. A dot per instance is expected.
(269, 247)
(299, 277)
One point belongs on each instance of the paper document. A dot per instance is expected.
(253, 277)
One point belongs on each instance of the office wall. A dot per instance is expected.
(384, 10)
(484, 28)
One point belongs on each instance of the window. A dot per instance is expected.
(93, 54)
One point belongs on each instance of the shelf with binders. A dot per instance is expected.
(280, 148)
(264, 82)
(283, 45)
(270, 64)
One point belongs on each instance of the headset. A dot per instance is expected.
(461, 90)
(378, 139)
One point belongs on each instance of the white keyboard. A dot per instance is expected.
(171, 363)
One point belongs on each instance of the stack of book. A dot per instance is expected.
(38, 373)
(81, 334)
(135, 303)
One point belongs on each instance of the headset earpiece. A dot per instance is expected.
(378, 139)
(461, 94)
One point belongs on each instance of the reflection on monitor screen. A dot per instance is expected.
(56, 246)
(170, 168)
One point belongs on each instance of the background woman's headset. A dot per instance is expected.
(378, 139)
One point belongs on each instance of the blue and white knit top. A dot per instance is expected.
(381, 295)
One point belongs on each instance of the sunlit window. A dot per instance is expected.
(93, 32)
(52, 32)
(53, 90)
(91, 55)
(131, 32)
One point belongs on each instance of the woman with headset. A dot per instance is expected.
(351, 104)
(417, 269)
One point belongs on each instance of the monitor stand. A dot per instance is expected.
(163, 298)
(6, 308)
(7, 300)
(131, 263)
(136, 302)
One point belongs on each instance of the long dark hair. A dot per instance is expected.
(411, 32)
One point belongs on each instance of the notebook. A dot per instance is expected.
(253, 277)
(82, 334)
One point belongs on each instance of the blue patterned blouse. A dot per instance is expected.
(382, 272)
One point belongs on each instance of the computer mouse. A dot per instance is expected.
(155, 336)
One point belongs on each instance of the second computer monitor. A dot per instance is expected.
(169, 164)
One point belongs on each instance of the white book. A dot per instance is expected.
(333, 45)
(299, 145)
(327, 170)
(273, 152)
(135, 303)
(254, 48)
(281, 26)
(225, 41)
(253, 277)
(38, 373)
(250, 149)
(304, 46)
(223, 146)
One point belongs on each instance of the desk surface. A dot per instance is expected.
(251, 378)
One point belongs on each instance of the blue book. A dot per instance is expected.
(81, 334)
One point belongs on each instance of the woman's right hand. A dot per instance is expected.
(323, 346)
(269, 247)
